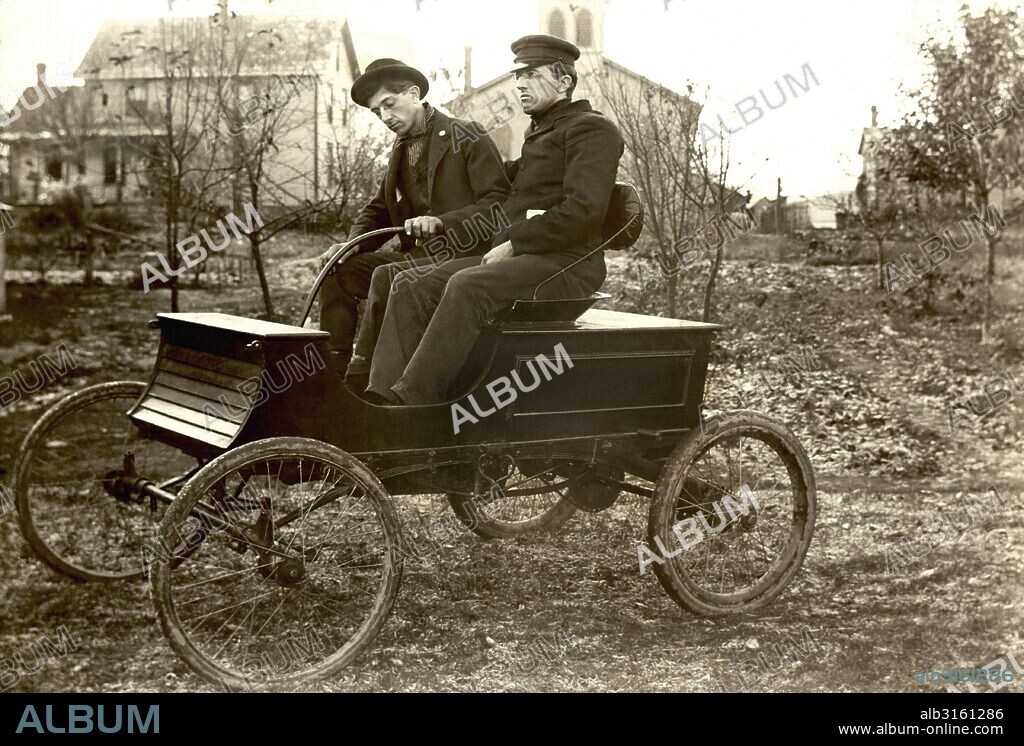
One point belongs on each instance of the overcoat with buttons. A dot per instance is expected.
(569, 162)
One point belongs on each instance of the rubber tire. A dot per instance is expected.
(161, 586)
(663, 507)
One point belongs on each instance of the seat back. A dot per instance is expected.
(624, 221)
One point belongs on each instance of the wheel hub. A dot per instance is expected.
(125, 484)
(595, 495)
(289, 572)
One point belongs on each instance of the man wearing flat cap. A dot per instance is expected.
(432, 190)
(560, 194)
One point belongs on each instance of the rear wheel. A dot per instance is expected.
(66, 511)
(517, 497)
(294, 572)
(732, 515)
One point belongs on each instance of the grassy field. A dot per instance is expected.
(569, 610)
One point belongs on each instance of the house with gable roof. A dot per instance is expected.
(100, 132)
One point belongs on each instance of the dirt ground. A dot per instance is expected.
(569, 610)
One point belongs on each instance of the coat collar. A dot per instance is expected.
(559, 110)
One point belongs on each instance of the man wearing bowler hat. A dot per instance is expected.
(431, 189)
(560, 194)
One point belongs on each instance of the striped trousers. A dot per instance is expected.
(344, 289)
(377, 296)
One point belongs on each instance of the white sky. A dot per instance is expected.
(860, 51)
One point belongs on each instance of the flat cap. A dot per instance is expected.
(542, 49)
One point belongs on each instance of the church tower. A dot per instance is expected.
(578, 21)
(582, 23)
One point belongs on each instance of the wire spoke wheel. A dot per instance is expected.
(66, 513)
(294, 572)
(732, 515)
(518, 497)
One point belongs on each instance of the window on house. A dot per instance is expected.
(110, 165)
(54, 168)
(134, 99)
(556, 23)
(584, 29)
(104, 99)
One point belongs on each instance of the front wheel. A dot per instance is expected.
(732, 515)
(293, 573)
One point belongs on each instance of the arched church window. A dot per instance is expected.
(584, 28)
(556, 23)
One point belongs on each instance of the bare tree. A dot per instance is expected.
(682, 183)
(181, 176)
(659, 129)
(881, 218)
(223, 129)
(879, 212)
(277, 169)
(713, 196)
(70, 118)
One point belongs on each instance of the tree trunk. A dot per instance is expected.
(171, 228)
(257, 259)
(672, 290)
(881, 262)
(990, 275)
(90, 253)
(172, 260)
(709, 286)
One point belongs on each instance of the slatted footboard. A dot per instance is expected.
(223, 380)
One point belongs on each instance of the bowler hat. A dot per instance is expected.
(542, 49)
(379, 72)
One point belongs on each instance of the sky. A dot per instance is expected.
(860, 52)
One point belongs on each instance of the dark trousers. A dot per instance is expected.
(343, 290)
(432, 322)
